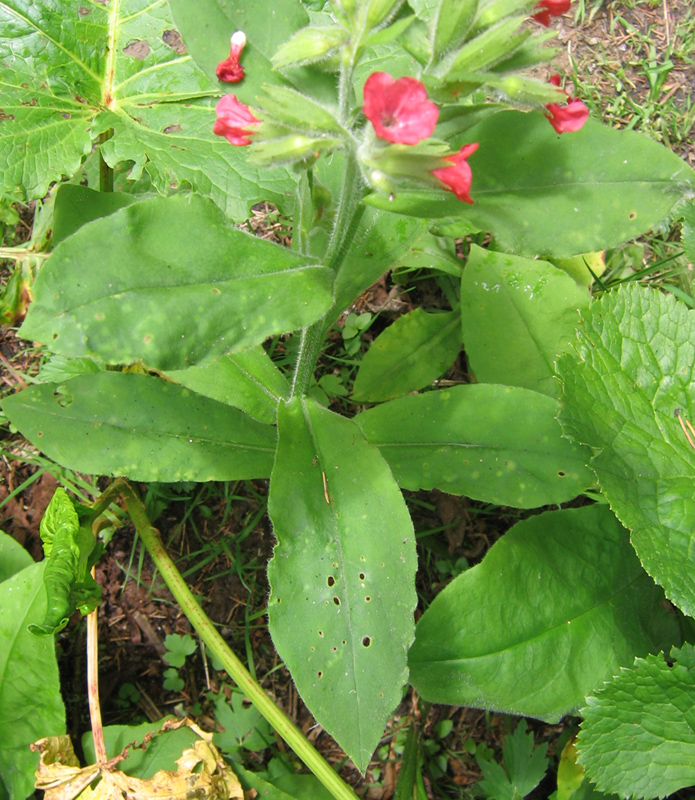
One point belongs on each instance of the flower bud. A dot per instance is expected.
(294, 147)
(309, 44)
(378, 10)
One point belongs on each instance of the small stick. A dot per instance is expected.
(93, 685)
(685, 430)
(325, 487)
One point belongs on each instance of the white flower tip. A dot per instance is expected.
(238, 39)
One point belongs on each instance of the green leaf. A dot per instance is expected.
(117, 423)
(435, 253)
(158, 294)
(342, 591)
(77, 205)
(408, 355)
(69, 72)
(242, 727)
(524, 767)
(638, 734)
(178, 648)
(13, 557)
(67, 547)
(30, 702)
(160, 752)
(207, 25)
(540, 193)
(688, 230)
(624, 391)
(517, 316)
(247, 380)
(280, 784)
(499, 444)
(559, 603)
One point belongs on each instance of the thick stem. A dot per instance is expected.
(93, 685)
(217, 645)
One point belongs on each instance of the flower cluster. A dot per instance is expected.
(568, 117)
(401, 114)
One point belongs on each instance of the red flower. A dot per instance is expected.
(232, 116)
(568, 117)
(551, 8)
(230, 70)
(457, 178)
(399, 109)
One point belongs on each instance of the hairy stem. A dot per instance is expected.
(105, 171)
(217, 645)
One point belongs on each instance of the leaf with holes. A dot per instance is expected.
(638, 734)
(408, 355)
(629, 392)
(558, 604)
(160, 295)
(499, 444)
(119, 423)
(71, 71)
(517, 316)
(342, 574)
(540, 193)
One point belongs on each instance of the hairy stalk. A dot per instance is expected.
(348, 212)
(217, 645)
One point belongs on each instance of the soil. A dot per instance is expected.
(137, 611)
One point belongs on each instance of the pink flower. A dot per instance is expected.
(232, 117)
(399, 109)
(568, 117)
(551, 8)
(457, 178)
(230, 70)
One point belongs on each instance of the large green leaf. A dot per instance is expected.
(538, 192)
(138, 285)
(517, 316)
(13, 557)
(638, 734)
(248, 380)
(76, 205)
(30, 702)
(408, 355)
(69, 71)
(500, 444)
(555, 608)
(116, 423)
(206, 26)
(342, 575)
(624, 390)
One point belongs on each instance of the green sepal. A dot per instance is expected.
(309, 44)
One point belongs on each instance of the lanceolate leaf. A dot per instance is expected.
(30, 702)
(540, 193)
(66, 65)
(499, 444)
(624, 391)
(408, 355)
(517, 315)
(555, 608)
(638, 734)
(342, 575)
(139, 285)
(116, 423)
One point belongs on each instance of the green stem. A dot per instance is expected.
(217, 645)
(105, 171)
